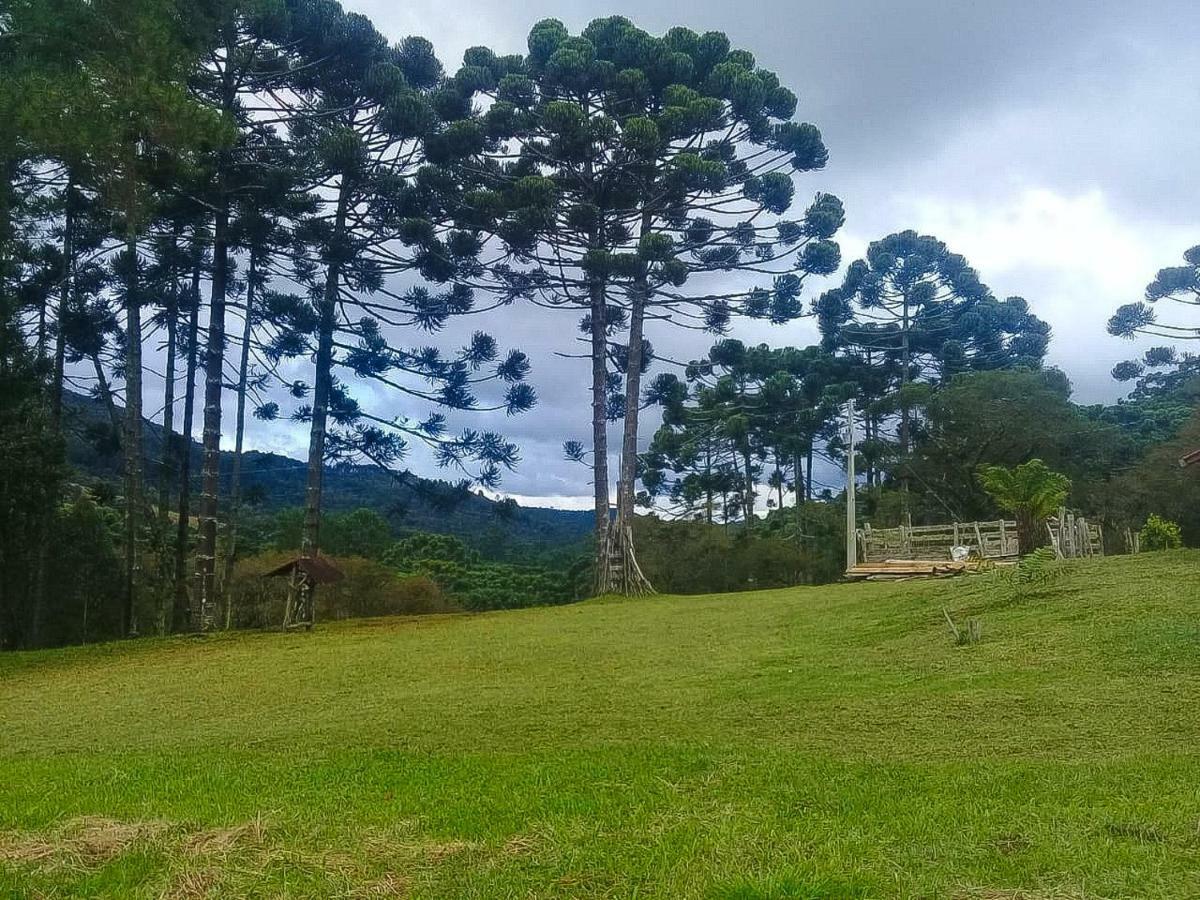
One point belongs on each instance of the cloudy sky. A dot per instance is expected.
(1054, 143)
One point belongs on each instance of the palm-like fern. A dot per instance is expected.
(1030, 491)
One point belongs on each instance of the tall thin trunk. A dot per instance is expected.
(64, 301)
(635, 359)
(235, 485)
(905, 357)
(214, 382)
(801, 489)
(633, 402)
(133, 439)
(106, 395)
(38, 599)
(214, 364)
(749, 504)
(165, 460)
(310, 543)
(168, 422)
(600, 429)
(808, 469)
(181, 613)
(708, 491)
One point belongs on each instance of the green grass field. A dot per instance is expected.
(816, 742)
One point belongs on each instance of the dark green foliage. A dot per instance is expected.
(477, 585)
(483, 586)
(84, 583)
(1006, 417)
(31, 483)
(445, 547)
(698, 558)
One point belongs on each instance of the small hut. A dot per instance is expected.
(305, 573)
(1190, 459)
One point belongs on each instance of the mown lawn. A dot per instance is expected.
(821, 742)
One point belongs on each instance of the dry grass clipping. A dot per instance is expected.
(190, 886)
(88, 841)
(390, 885)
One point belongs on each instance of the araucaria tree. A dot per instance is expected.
(742, 412)
(919, 312)
(639, 177)
(1161, 366)
(376, 126)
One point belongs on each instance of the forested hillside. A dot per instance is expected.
(274, 482)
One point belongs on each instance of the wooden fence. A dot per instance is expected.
(986, 540)
(1073, 536)
(1070, 536)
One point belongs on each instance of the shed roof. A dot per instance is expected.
(318, 570)
(1189, 459)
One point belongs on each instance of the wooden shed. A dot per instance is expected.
(314, 569)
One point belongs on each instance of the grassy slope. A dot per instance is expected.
(824, 742)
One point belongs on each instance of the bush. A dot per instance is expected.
(1032, 571)
(367, 589)
(1160, 534)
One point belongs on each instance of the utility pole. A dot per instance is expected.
(851, 539)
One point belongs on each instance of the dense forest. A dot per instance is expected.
(202, 198)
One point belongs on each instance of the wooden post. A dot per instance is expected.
(851, 541)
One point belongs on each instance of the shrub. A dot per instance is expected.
(367, 589)
(1160, 534)
(1035, 569)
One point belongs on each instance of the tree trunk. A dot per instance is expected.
(164, 465)
(801, 487)
(808, 470)
(64, 301)
(182, 612)
(749, 504)
(46, 523)
(633, 402)
(600, 430)
(905, 359)
(1027, 532)
(631, 581)
(235, 485)
(133, 440)
(301, 602)
(214, 365)
(708, 491)
(106, 395)
(214, 383)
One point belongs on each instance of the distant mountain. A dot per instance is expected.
(272, 482)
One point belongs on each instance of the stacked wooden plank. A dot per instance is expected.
(900, 569)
